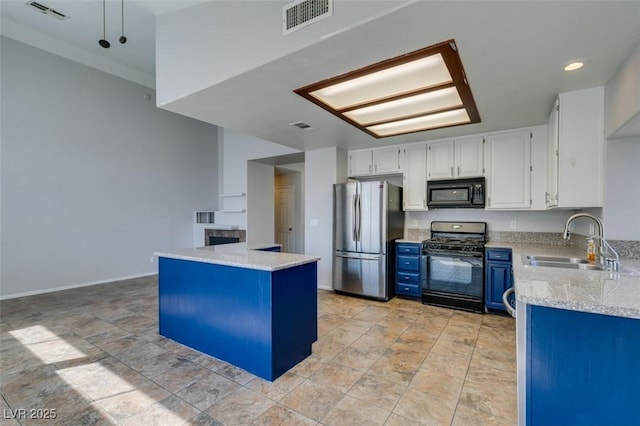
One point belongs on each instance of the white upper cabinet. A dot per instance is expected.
(386, 160)
(440, 160)
(551, 194)
(469, 157)
(414, 191)
(508, 166)
(576, 175)
(360, 162)
(459, 158)
(378, 161)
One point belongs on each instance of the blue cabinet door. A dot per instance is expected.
(409, 269)
(498, 277)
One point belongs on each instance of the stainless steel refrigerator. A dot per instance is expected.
(367, 219)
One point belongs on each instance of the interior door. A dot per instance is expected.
(285, 219)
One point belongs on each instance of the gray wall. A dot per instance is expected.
(94, 178)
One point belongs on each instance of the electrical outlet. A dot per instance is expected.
(151, 260)
(313, 222)
(513, 224)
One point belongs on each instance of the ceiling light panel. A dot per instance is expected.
(406, 107)
(428, 122)
(405, 89)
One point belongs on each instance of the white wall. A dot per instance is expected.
(622, 96)
(94, 178)
(622, 191)
(260, 203)
(201, 46)
(323, 168)
(235, 149)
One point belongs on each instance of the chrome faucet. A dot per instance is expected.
(601, 247)
(612, 264)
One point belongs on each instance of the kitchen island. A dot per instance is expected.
(247, 305)
(578, 340)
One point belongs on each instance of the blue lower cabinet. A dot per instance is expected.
(409, 269)
(498, 277)
(262, 321)
(581, 368)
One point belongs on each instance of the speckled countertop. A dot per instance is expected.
(242, 256)
(409, 240)
(616, 294)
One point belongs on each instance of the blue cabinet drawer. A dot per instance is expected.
(408, 277)
(503, 255)
(408, 263)
(403, 248)
(412, 290)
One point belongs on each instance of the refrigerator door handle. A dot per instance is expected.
(354, 227)
(359, 233)
(359, 256)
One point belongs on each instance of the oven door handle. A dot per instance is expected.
(453, 253)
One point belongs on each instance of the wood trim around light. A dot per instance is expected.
(449, 51)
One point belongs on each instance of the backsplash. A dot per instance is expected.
(627, 249)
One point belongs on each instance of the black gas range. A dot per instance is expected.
(455, 265)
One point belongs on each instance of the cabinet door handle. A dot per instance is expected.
(458, 170)
(546, 198)
(452, 171)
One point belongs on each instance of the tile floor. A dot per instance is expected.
(94, 356)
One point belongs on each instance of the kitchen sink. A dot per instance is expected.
(561, 262)
(530, 258)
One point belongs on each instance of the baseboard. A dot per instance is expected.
(69, 287)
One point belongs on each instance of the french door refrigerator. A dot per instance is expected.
(367, 219)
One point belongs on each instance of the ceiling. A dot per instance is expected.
(512, 53)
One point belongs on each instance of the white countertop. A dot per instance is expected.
(601, 292)
(242, 256)
(406, 240)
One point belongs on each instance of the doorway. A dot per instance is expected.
(289, 202)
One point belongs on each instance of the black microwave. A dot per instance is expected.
(455, 193)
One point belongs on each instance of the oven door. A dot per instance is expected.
(455, 279)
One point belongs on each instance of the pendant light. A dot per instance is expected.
(122, 39)
(103, 42)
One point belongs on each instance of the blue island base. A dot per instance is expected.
(261, 321)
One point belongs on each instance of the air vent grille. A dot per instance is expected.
(302, 13)
(47, 10)
(301, 125)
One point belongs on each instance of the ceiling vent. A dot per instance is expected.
(46, 10)
(301, 125)
(299, 14)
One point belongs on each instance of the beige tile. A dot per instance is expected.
(377, 391)
(491, 398)
(207, 391)
(353, 412)
(126, 406)
(308, 366)
(452, 365)
(360, 359)
(234, 373)
(397, 420)
(240, 407)
(337, 376)
(280, 415)
(438, 383)
(312, 400)
(497, 359)
(278, 388)
(425, 408)
(182, 376)
(465, 416)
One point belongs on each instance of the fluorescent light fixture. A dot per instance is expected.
(422, 90)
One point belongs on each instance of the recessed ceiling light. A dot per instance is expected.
(421, 90)
(573, 65)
